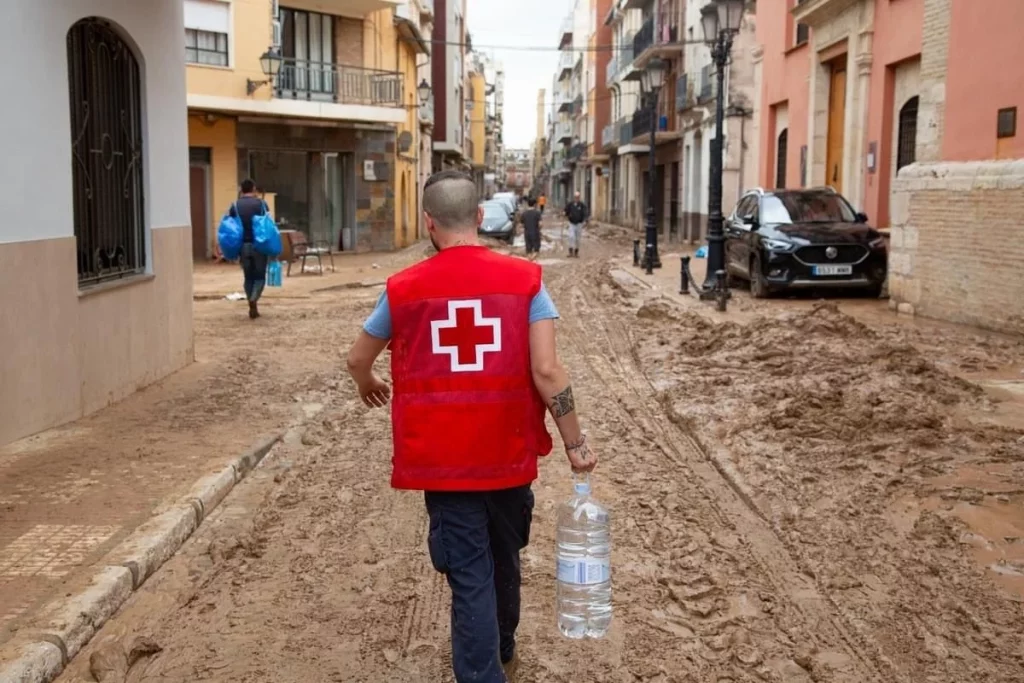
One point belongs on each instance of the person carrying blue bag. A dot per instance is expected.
(261, 240)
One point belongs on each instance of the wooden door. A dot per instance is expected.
(199, 211)
(836, 125)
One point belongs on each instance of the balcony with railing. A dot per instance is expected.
(644, 38)
(563, 131)
(566, 61)
(565, 33)
(626, 56)
(577, 105)
(300, 79)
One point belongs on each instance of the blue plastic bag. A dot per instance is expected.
(229, 235)
(702, 252)
(266, 238)
(274, 274)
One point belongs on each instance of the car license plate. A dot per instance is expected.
(833, 270)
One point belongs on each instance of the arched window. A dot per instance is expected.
(780, 158)
(906, 151)
(106, 153)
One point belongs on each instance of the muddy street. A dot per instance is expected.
(797, 495)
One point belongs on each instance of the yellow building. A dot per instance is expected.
(315, 100)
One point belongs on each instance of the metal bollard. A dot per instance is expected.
(684, 275)
(636, 252)
(722, 290)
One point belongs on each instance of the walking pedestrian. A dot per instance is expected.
(531, 219)
(578, 214)
(254, 264)
(474, 367)
(542, 202)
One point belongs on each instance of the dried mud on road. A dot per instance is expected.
(784, 505)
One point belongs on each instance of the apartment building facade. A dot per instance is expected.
(448, 80)
(331, 137)
(96, 245)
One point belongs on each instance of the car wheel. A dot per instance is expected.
(758, 286)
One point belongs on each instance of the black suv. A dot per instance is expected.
(810, 238)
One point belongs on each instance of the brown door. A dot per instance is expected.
(836, 124)
(200, 215)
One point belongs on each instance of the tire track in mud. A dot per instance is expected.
(608, 349)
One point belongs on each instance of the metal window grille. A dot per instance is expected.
(1006, 123)
(106, 153)
(206, 47)
(780, 159)
(906, 150)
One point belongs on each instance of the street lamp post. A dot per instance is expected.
(650, 82)
(721, 21)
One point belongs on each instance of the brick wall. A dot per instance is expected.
(934, 60)
(956, 251)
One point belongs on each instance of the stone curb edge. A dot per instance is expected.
(66, 625)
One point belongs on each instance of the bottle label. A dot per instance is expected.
(584, 572)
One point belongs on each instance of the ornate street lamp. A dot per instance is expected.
(423, 90)
(721, 20)
(651, 80)
(270, 62)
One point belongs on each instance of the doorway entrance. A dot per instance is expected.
(836, 124)
(199, 200)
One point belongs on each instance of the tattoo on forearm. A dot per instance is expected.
(563, 403)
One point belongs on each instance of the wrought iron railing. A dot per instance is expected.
(565, 63)
(300, 79)
(644, 38)
(641, 122)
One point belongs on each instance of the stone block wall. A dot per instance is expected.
(375, 198)
(956, 247)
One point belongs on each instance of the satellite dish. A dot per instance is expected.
(404, 141)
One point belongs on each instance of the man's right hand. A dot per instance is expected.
(375, 392)
(582, 457)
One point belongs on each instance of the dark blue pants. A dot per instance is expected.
(254, 270)
(474, 540)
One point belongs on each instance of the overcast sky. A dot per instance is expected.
(521, 23)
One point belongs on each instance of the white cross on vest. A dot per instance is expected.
(466, 335)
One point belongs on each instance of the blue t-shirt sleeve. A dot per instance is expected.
(542, 307)
(379, 323)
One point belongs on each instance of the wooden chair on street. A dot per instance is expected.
(303, 249)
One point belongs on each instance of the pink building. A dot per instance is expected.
(909, 108)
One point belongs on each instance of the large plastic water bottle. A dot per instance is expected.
(584, 565)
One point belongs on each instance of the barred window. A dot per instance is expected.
(206, 47)
(106, 153)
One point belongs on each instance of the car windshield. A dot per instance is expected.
(806, 207)
(494, 211)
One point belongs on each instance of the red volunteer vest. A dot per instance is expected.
(465, 413)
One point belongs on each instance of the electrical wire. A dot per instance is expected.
(543, 48)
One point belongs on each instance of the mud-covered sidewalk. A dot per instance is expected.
(797, 495)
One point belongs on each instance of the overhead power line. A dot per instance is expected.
(544, 48)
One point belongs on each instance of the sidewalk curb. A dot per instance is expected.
(65, 625)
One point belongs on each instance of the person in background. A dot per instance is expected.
(542, 202)
(254, 264)
(474, 367)
(577, 213)
(531, 219)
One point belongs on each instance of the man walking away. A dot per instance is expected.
(473, 367)
(254, 264)
(577, 213)
(531, 219)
